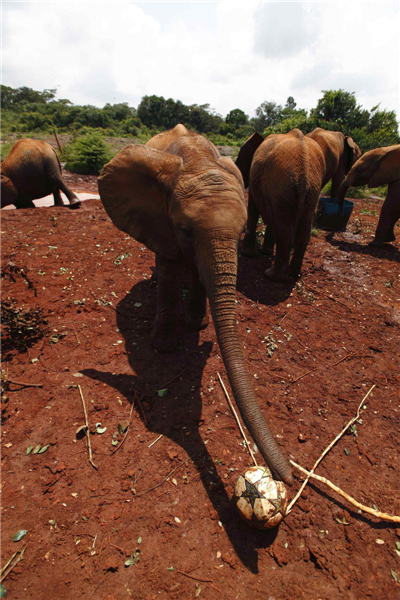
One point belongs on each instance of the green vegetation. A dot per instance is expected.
(87, 154)
(27, 112)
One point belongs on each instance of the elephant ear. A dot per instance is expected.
(135, 187)
(228, 164)
(245, 156)
(352, 152)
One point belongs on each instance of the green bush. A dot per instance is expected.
(87, 154)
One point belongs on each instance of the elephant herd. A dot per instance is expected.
(186, 203)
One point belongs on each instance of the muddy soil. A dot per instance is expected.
(151, 516)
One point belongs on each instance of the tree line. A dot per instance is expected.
(25, 110)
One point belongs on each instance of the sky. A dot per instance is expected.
(228, 54)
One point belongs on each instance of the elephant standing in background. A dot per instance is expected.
(30, 171)
(378, 167)
(340, 153)
(285, 181)
(185, 202)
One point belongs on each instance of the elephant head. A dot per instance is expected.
(188, 201)
(245, 156)
(376, 167)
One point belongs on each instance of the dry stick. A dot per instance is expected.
(141, 410)
(325, 452)
(5, 572)
(155, 441)
(127, 429)
(168, 476)
(87, 429)
(237, 419)
(301, 377)
(21, 383)
(197, 578)
(370, 511)
(326, 295)
(96, 588)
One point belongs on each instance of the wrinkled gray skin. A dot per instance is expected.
(184, 201)
(30, 171)
(285, 181)
(377, 167)
(340, 153)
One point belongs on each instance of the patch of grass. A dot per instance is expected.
(315, 231)
(367, 211)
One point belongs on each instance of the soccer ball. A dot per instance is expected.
(261, 501)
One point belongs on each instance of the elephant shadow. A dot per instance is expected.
(253, 284)
(388, 251)
(177, 415)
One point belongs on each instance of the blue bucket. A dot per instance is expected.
(327, 216)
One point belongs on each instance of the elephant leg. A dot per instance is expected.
(269, 242)
(279, 270)
(249, 246)
(389, 216)
(169, 280)
(197, 305)
(74, 201)
(24, 203)
(57, 198)
(301, 241)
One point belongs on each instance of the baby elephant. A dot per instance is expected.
(32, 170)
(377, 167)
(285, 181)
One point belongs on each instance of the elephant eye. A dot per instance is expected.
(187, 232)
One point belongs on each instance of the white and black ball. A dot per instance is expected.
(260, 500)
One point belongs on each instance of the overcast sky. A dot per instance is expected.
(230, 53)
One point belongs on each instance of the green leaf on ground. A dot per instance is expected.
(43, 449)
(163, 392)
(19, 535)
(29, 449)
(36, 450)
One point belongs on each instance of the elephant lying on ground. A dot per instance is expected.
(340, 153)
(285, 180)
(185, 202)
(30, 171)
(378, 167)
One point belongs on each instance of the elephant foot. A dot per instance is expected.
(163, 339)
(74, 204)
(274, 275)
(197, 324)
(380, 242)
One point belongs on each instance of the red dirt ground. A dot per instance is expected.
(314, 348)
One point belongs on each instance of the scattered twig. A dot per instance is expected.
(325, 452)
(156, 440)
(237, 419)
(167, 476)
(21, 383)
(370, 511)
(87, 431)
(127, 429)
(195, 578)
(301, 377)
(14, 560)
(141, 410)
(326, 295)
(96, 588)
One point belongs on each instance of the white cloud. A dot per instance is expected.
(230, 54)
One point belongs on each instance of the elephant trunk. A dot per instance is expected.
(217, 262)
(341, 194)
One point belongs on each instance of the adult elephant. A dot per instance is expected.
(185, 202)
(378, 167)
(30, 171)
(285, 180)
(340, 152)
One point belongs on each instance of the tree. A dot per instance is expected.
(236, 118)
(268, 114)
